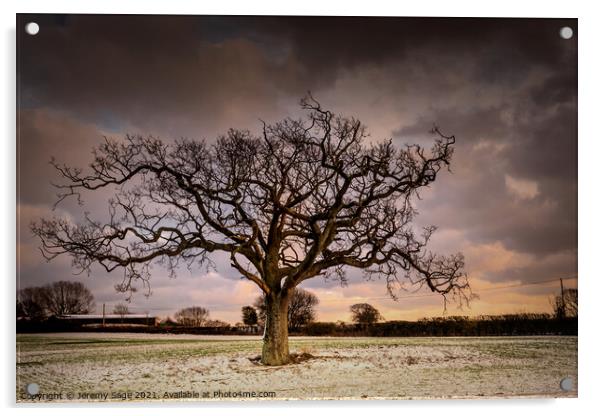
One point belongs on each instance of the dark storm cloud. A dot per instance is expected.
(524, 137)
(505, 87)
(117, 67)
(43, 135)
(326, 44)
(123, 70)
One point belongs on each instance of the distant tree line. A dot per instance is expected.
(485, 325)
(490, 325)
(67, 298)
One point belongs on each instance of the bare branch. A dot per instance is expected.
(304, 198)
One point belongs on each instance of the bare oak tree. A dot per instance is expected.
(566, 304)
(121, 309)
(249, 315)
(364, 313)
(67, 298)
(31, 303)
(571, 302)
(304, 198)
(193, 316)
(302, 308)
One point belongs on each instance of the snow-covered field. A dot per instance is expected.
(116, 367)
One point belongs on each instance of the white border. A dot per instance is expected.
(590, 150)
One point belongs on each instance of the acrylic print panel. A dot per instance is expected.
(268, 208)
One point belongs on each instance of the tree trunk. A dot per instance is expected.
(275, 337)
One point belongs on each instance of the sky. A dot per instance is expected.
(506, 88)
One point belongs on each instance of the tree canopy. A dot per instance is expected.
(302, 199)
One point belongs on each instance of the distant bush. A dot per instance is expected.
(320, 328)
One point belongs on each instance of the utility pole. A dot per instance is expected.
(103, 314)
(562, 298)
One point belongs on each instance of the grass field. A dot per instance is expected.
(115, 367)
